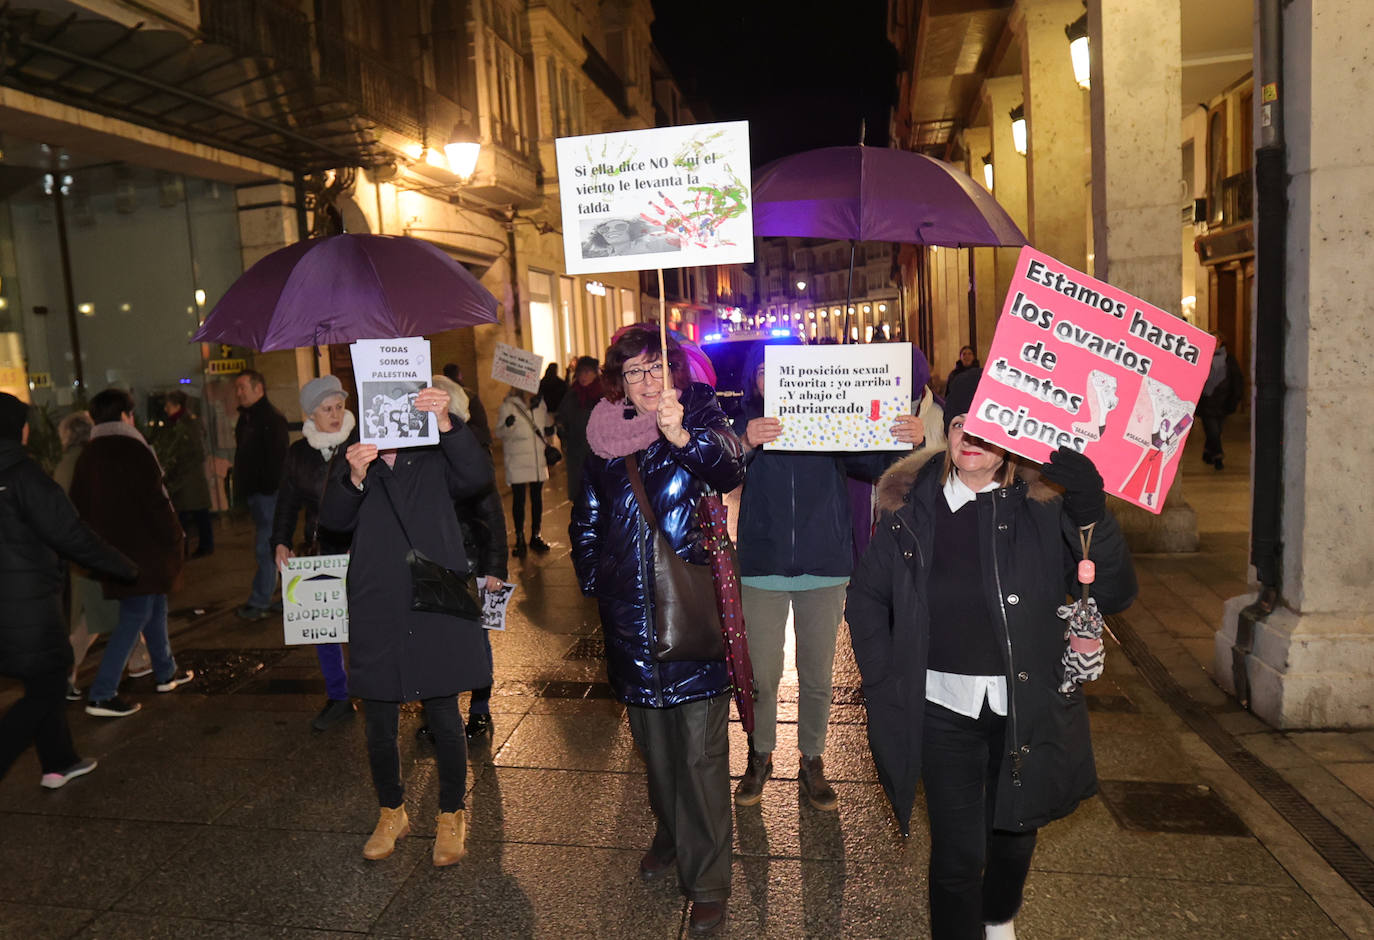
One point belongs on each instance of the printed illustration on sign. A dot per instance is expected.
(315, 599)
(1159, 423)
(390, 374)
(389, 411)
(842, 398)
(1099, 401)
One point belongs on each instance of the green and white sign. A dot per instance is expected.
(315, 599)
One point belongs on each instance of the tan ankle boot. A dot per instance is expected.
(392, 824)
(450, 838)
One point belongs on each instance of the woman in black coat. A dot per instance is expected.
(953, 618)
(398, 654)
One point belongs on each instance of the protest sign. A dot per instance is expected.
(390, 374)
(315, 599)
(1076, 362)
(837, 397)
(494, 604)
(518, 367)
(665, 197)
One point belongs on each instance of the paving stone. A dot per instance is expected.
(562, 807)
(571, 742)
(40, 921)
(121, 926)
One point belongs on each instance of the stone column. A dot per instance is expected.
(988, 303)
(1312, 660)
(1056, 163)
(267, 221)
(1136, 160)
(1000, 95)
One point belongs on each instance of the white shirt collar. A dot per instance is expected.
(957, 493)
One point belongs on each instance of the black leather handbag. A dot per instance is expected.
(551, 454)
(687, 624)
(435, 589)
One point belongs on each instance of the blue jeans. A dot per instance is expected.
(145, 614)
(331, 660)
(262, 506)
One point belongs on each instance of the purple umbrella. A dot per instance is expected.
(880, 195)
(344, 288)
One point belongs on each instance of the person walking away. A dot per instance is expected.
(795, 556)
(180, 448)
(522, 424)
(398, 654)
(1221, 395)
(552, 388)
(117, 488)
(328, 430)
(260, 439)
(571, 419)
(953, 617)
(682, 448)
(968, 359)
(38, 528)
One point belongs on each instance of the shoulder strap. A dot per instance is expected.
(386, 491)
(637, 484)
(530, 421)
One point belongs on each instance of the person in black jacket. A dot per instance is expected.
(37, 525)
(328, 430)
(1221, 395)
(552, 388)
(953, 617)
(260, 440)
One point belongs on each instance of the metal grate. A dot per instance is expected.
(587, 647)
(1182, 808)
(220, 672)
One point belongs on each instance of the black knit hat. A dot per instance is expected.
(14, 414)
(959, 395)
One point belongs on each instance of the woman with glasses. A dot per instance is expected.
(680, 445)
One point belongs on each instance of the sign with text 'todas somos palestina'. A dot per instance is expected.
(666, 197)
(1076, 362)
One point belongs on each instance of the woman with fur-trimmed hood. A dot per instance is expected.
(952, 614)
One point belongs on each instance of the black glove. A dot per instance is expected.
(1084, 500)
(510, 421)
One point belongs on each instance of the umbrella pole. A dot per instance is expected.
(848, 293)
(663, 330)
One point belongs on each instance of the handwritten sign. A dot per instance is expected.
(665, 197)
(1078, 363)
(494, 604)
(390, 374)
(515, 366)
(315, 599)
(837, 397)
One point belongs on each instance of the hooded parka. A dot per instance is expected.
(614, 556)
(1030, 555)
(522, 440)
(397, 654)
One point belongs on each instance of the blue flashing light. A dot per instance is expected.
(183, 381)
(780, 332)
(713, 337)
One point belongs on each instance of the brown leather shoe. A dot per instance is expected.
(814, 785)
(749, 792)
(652, 866)
(392, 824)
(450, 838)
(706, 917)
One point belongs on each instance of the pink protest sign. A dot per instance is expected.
(1078, 363)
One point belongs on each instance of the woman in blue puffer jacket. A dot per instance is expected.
(678, 711)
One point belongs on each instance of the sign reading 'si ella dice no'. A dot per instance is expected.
(1078, 363)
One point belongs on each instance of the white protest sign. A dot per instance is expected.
(665, 197)
(494, 604)
(390, 374)
(837, 397)
(315, 599)
(515, 366)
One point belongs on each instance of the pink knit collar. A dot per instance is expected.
(610, 434)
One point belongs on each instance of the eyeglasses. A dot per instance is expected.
(635, 376)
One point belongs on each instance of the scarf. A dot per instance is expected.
(587, 395)
(610, 434)
(326, 444)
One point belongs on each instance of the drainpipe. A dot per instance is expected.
(1271, 315)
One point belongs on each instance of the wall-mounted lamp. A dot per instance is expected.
(462, 150)
(801, 285)
(1018, 128)
(987, 171)
(1077, 31)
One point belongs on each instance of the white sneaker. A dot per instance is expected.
(999, 931)
(178, 679)
(140, 673)
(56, 781)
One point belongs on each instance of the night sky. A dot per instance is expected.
(804, 73)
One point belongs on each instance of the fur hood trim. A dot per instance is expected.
(896, 484)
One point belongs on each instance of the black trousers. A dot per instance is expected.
(381, 720)
(977, 873)
(517, 507)
(688, 756)
(1211, 429)
(205, 528)
(39, 718)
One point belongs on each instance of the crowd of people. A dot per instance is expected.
(948, 558)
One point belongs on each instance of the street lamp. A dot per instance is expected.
(462, 151)
(1077, 31)
(987, 171)
(801, 285)
(1018, 129)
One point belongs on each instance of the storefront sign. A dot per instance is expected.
(315, 599)
(225, 366)
(666, 197)
(1078, 363)
(837, 397)
(518, 367)
(39, 380)
(390, 374)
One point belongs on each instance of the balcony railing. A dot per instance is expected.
(260, 28)
(1233, 202)
(384, 93)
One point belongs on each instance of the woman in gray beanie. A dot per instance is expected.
(328, 430)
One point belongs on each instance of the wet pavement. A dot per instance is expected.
(217, 812)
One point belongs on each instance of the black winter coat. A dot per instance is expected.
(37, 525)
(260, 440)
(302, 487)
(614, 556)
(1030, 556)
(397, 654)
(483, 521)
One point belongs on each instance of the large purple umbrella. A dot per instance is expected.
(344, 288)
(880, 195)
